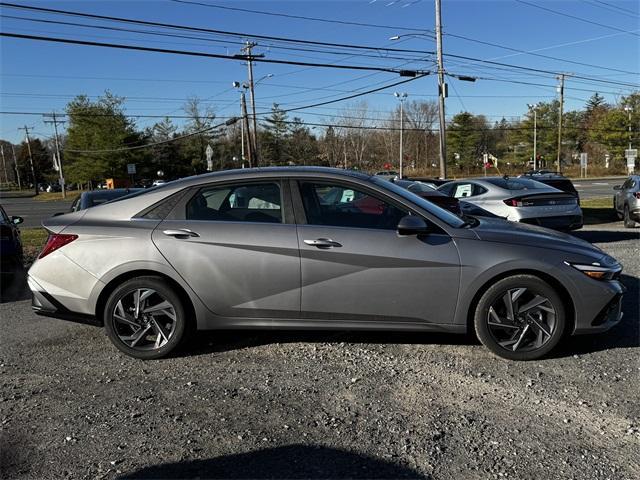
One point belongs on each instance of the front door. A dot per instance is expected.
(234, 247)
(356, 267)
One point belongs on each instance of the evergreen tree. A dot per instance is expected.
(273, 145)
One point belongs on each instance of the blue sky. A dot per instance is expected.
(38, 77)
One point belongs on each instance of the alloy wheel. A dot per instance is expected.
(521, 320)
(143, 319)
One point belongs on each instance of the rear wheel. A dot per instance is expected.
(628, 222)
(145, 318)
(520, 318)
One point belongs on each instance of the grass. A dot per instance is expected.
(598, 210)
(53, 196)
(33, 239)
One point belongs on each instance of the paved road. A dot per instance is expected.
(33, 211)
(597, 188)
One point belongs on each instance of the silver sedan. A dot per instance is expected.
(520, 200)
(316, 248)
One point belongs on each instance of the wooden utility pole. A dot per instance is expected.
(442, 93)
(15, 165)
(59, 162)
(4, 164)
(247, 52)
(245, 122)
(560, 77)
(33, 170)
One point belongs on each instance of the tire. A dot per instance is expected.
(143, 334)
(530, 332)
(628, 222)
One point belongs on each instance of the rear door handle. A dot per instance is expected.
(322, 243)
(180, 233)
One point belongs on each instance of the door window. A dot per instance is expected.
(255, 202)
(342, 206)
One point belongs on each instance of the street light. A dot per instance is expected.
(402, 97)
(534, 108)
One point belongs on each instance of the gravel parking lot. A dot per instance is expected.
(321, 405)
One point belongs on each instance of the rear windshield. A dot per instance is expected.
(515, 183)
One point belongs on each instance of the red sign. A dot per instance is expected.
(387, 166)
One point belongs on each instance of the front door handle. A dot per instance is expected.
(322, 243)
(180, 233)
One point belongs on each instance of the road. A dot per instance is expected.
(33, 211)
(597, 188)
(242, 404)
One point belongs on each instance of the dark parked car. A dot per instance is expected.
(97, 197)
(431, 194)
(289, 248)
(554, 180)
(10, 247)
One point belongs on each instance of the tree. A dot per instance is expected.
(200, 125)
(167, 156)
(42, 161)
(95, 133)
(274, 138)
(595, 102)
(302, 144)
(464, 139)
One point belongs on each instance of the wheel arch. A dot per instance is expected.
(567, 300)
(123, 277)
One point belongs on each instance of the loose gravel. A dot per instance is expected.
(321, 404)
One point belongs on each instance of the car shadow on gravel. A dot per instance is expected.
(607, 236)
(291, 461)
(15, 288)
(624, 335)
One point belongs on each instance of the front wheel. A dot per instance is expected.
(145, 318)
(520, 318)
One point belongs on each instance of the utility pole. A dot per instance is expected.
(401, 97)
(33, 171)
(15, 165)
(442, 93)
(245, 123)
(247, 52)
(4, 164)
(59, 162)
(629, 109)
(535, 135)
(560, 77)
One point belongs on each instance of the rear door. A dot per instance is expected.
(236, 246)
(355, 267)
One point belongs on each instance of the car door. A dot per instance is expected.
(236, 245)
(355, 266)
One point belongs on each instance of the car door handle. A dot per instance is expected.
(322, 243)
(180, 233)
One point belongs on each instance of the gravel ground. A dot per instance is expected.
(321, 405)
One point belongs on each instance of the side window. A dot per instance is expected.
(255, 202)
(478, 190)
(463, 190)
(341, 206)
(448, 189)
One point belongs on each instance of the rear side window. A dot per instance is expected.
(254, 202)
(515, 183)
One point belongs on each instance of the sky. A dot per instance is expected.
(42, 77)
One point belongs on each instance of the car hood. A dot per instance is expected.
(503, 231)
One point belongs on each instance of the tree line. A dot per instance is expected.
(101, 140)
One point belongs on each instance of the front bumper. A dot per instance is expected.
(610, 315)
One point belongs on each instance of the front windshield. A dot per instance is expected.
(440, 213)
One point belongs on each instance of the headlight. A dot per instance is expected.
(597, 271)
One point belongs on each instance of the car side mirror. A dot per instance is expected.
(17, 220)
(618, 187)
(412, 225)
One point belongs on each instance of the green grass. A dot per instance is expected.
(53, 196)
(598, 210)
(33, 239)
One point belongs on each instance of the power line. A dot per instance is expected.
(556, 12)
(612, 8)
(302, 17)
(208, 55)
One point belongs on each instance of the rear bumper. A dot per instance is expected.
(635, 214)
(46, 305)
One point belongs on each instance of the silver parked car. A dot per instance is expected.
(626, 201)
(520, 200)
(316, 248)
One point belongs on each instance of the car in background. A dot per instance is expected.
(520, 200)
(97, 197)
(472, 210)
(435, 181)
(553, 180)
(159, 182)
(388, 174)
(430, 193)
(10, 248)
(626, 201)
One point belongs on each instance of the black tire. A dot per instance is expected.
(547, 332)
(628, 222)
(172, 337)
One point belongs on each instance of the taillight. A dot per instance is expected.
(56, 241)
(513, 202)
